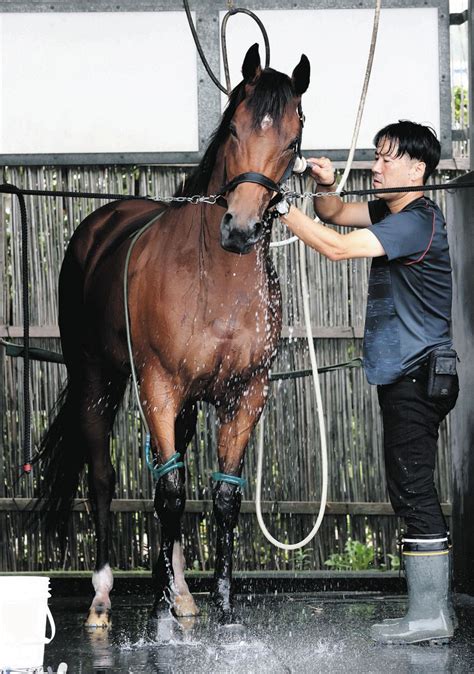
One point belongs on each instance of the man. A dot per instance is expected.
(407, 349)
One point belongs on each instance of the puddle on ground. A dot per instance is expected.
(278, 634)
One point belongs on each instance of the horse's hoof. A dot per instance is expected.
(98, 617)
(188, 623)
(184, 606)
(223, 606)
(231, 632)
(226, 617)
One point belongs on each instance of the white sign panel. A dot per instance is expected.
(405, 77)
(91, 82)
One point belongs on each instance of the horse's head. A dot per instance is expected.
(263, 142)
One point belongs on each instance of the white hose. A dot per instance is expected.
(363, 96)
(307, 318)
(322, 429)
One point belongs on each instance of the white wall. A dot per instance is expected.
(95, 82)
(405, 77)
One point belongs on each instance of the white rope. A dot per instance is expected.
(307, 318)
(322, 429)
(363, 96)
(360, 112)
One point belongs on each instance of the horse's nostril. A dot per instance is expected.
(258, 229)
(227, 219)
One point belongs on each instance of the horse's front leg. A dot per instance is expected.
(170, 433)
(236, 427)
(168, 572)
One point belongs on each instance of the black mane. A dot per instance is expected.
(272, 93)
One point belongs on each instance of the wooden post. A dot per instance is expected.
(460, 222)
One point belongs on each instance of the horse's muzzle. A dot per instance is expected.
(238, 239)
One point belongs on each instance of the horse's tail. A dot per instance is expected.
(62, 452)
(62, 460)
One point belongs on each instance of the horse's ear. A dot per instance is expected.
(251, 65)
(300, 76)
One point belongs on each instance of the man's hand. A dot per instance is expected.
(331, 209)
(322, 171)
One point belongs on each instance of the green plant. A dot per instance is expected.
(460, 102)
(357, 556)
(303, 559)
(394, 564)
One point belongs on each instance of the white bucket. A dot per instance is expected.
(23, 612)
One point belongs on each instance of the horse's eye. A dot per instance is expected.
(233, 130)
(294, 145)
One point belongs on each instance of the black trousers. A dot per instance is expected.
(411, 422)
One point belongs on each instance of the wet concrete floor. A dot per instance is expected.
(325, 632)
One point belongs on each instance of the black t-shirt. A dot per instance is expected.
(409, 300)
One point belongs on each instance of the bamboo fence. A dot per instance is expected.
(292, 472)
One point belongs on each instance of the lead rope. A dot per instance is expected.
(307, 318)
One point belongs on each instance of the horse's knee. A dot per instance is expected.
(170, 497)
(227, 500)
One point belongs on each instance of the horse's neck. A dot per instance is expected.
(218, 178)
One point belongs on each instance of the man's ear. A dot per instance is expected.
(418, 170)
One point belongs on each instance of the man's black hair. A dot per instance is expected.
(415, 140)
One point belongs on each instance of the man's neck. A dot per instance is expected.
(402, 200)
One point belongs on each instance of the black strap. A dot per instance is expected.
(250, 177)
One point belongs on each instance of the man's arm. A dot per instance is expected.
(332, 209)
(328, 242)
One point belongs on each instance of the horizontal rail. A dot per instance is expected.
(205, 506)
(321, 332)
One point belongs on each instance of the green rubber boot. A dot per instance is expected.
(428, 618)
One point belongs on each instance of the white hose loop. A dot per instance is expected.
(307, 317)
(285, 242)
(322, 428)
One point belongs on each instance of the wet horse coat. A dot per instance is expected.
(205, 318)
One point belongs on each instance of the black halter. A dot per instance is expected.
(261, 179)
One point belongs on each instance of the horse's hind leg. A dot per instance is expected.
(170, 499)
(102, 393)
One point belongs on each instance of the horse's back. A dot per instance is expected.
(102, 232)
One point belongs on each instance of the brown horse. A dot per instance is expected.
(204, 319)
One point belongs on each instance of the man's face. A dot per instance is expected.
(392, 171)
